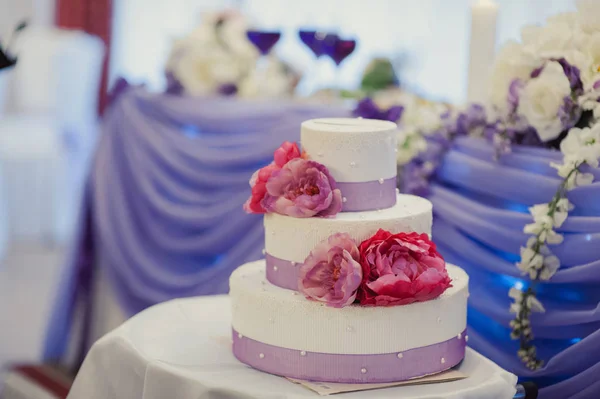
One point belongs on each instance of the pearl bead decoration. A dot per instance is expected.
(400, 355)
(443, 360)
(302, 353)
(261, 355)
(363, 370)
(381, 180)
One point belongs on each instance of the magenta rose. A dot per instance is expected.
(258, 182)
(399, 269)
(332, 273)
(302, 189)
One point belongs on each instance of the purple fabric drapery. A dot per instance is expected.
(163, 205)
(480, 208)
(170, 178)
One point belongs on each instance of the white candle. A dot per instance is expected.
(484, 15)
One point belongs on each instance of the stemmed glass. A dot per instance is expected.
(313, 39)
(338, 48)
(264, 41)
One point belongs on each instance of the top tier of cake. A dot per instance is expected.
(360, 155)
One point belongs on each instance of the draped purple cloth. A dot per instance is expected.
(170, 177)
(480, 208)
(163, 206)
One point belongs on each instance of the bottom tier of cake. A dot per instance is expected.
(281, 332)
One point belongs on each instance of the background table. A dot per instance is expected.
(181, 349)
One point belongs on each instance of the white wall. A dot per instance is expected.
(433, 34)
(13, 12)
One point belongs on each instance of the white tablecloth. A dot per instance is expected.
(180, 349)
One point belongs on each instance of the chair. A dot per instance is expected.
(47, 137)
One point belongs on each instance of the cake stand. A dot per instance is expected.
(182, 349)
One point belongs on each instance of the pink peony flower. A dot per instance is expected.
(399, 269)
(332, 273)
(302, 189)
(258, 181)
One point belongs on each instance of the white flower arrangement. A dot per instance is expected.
(544, 92)
(218, 55)
(581, 147)
(420, 118)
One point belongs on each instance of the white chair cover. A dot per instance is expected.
(46, 142)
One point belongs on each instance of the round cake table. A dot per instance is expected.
(182, 349)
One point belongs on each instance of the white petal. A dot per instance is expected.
(530, 243)
(553, 237)
(515, 308)
(563, 205)
(533, 274)
(551, 265)
(559, 218)
(515, 293)
(532, 228)
(535, 305)
(584, 179)
(537, 261)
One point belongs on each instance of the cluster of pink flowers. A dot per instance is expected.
(384, 270)
(294, 185)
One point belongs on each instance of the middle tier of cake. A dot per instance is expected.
(288, 240)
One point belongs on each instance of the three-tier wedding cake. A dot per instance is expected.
(351, 288)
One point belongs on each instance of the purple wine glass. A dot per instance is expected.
(337, 48)
(263, 40)
(313, 40)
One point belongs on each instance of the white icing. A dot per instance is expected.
(292, 239)
(354, 150)
(275, 317)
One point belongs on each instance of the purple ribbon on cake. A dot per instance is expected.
(328, 367)
(282, 273)
(368, 196)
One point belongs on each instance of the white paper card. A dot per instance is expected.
(330, 388)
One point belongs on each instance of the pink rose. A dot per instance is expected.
(302, 189)
(331, 273)
(258, 181)
(399, 269)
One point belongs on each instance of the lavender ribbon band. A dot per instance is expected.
(327, 367)
(282, 273)
(369, 195)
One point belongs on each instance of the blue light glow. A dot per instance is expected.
(575, 340)
(512, 206)
(191, 131)
(588, 237)
(509, 281)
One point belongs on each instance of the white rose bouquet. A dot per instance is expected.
(217, 58)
